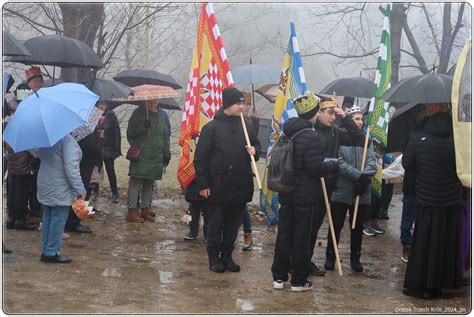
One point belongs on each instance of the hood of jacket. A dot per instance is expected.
(440, 124)
(294, 125)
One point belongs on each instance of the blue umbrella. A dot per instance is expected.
(48, 115)
(255, 74)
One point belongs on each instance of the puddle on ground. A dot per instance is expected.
(244, 305)
(166, 247)
(166, 277)
(111, 272)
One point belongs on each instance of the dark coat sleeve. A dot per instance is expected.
(203, 153)
(313, 158)
(351, 135)
(408, 159)
(117, 135)
(255, 142)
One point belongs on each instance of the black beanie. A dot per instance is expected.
(231, 96)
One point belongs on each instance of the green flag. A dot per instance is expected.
(378, 110)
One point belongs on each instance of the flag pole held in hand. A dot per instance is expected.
(254, 165)
(331, 225)
(364, 154)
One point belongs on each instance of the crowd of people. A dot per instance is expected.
(328, 143)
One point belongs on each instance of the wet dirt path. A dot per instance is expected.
(148, 268)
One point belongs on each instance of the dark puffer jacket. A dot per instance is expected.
(19, 163)
(430, 155)
(308, 157)
(111, 144)
(222, 162)
(331, 138)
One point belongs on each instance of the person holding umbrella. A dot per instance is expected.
(147, 130)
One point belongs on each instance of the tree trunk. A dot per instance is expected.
(396, 23)
(81, 21)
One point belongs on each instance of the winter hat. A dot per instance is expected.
(306, 106)
(231, 96)
(32, 73)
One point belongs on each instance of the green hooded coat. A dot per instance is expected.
(155, 144)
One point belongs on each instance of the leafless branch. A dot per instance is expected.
(428, 19)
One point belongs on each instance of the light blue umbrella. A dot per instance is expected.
(48, 115)
(255, 74)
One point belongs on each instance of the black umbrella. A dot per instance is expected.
(427, 88)
(352, 87)
(403, 122)
(13, 47)
(108, 89)
(137, 77)
(61, 51)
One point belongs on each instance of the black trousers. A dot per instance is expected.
(196, 208)
(110, 169)
(224, 223)
(11, 195)
(339, 212)
(86, 173)
(21, 193)
(319, 211)
(292, 247)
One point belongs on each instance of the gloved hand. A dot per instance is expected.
(364, 180)
(166, 162)
(333, 166)
(360, 189)
(147, 124)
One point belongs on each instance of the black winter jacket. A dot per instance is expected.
(111, 144)
(222, 162)
(308, 157)
(331, 138)
(430, 155)
(91, 153)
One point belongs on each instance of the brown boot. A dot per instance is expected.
(134, 215)
(145, 215)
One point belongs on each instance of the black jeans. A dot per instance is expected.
(339, 212)
(387, 194)
(293, 243)
(319, 211)
(86, 173)
(110, 169)
(196, 207)
(21, 193)
(11, 195)
(224, 223)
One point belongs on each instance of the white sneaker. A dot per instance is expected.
(278, 284)
(306, 287)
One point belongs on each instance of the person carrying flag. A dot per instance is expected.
(224, 176)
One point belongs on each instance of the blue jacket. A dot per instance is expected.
(59, 178)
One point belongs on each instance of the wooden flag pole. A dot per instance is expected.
(331, 225)
(364, 154)
(254, 165)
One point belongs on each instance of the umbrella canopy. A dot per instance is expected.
(255, 74)
(169, 104)
(88, 127)
(136, 77)
(351, 87)
(269, 92)
(427, 88)
(61, 51)
(149, 92)
(48, 115)
(13, 47)
(108, 89)
(403, 122)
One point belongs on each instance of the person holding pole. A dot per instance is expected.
(224, 176)
(292, 247)
(351, 182)
(331, 137)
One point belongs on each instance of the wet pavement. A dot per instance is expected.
(148, 268)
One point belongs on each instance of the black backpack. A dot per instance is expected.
(281, 176)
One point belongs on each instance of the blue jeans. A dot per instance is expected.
(246, 221)
(408, 216)
(52, 228)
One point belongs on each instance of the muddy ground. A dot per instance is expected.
(130, 268)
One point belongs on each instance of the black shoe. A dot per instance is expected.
(5, 249)
(94, 196)
(79, 229)
(215, 265)
(423, 295)
(55, 259)
(330, 263)
(190, 236)
(10, 223)
(230, 264)
(20, 224)
(376, 227)
(314, 270)
(115, 198)
(355, 263)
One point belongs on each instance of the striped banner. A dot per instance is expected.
(378, 115)
(291, 86)
(209, 75)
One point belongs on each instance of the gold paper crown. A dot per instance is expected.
(306, 103)
(327, 104)
(32, 72)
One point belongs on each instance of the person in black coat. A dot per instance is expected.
(292, 247)
(435, 255)
(224, 175)
(331, 137)
(197, 205)
(110, 141)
